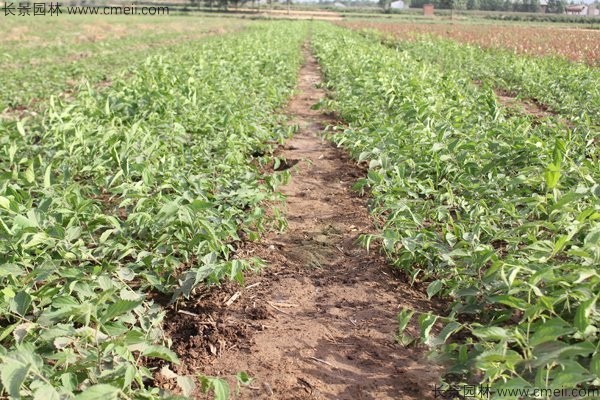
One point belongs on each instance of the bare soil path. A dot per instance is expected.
(319, 322)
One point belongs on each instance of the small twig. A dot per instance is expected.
(275, 242)
(232, 298)
(191, 314)
(278, 309)
(285, 305)
(253, 285)
(307, 386)
(267, 388)
(352, 321)
(321, 361)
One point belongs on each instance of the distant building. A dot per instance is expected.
(579, 9)
(428, 10)
(543, 6)
(397, 4)
(338, 4)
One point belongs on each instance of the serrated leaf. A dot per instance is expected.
(13, 374)
(490, 333)
(99, 392)
(46, 392)
(549, 331)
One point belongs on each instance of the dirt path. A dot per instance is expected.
(319, 322)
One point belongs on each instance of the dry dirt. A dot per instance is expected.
(319, 322)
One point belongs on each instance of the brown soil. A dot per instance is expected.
(518, 105)
(527, 106)
(319, 322)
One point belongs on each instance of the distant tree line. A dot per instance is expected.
(554, 6)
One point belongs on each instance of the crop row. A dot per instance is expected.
(497, 213)
(39, 63)
(144, 187)
(569, 89)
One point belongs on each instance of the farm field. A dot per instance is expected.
(45, 59)
(196, 207)
(581, 45)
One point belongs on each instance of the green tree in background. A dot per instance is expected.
(556, 6)
(473, 5)
(385, 5)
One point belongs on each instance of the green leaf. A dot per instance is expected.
(187, 384)
(161, 352)
(29, 174)
(120, 307)
(448, 330)
(434, 287)
(515, 384)
(552, 175)
(130, 373)
(552, 352)
(404, 318)
(46, 392)
(20, 303)
(243, 378)
(582, 320)
(13, 375)
(572, 375)
(218, 386)
(595, 364)
(48, 176)
(23, 222)
(558, 152)
(426, 322)
(99, 392)
(509, 357)
(549, 331)
(21, 128)
(4, 203)
(491, 333)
